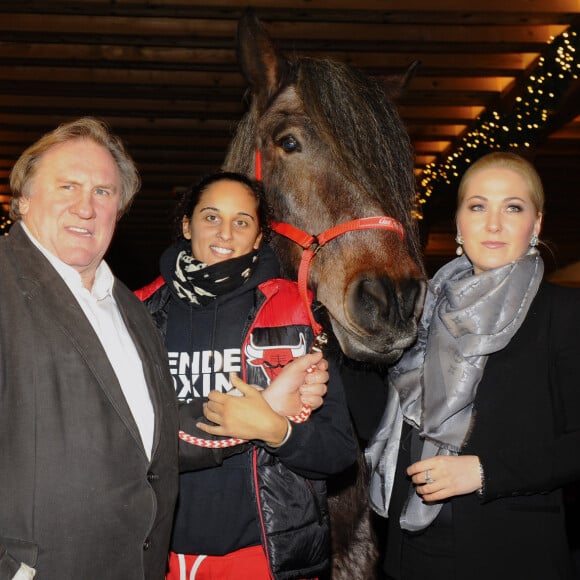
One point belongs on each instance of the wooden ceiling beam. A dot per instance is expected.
(13, 139)
(436, 132)
(431, 64)
(161, 32)
(181, 126)
(442, 114)
(420, 85)
(412, 11)
(72, 106)
(500, 6)
(142, 54)
(433, 146)
(178, 102)
(202, 120)
(213, 109)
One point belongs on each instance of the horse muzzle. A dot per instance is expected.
(381, 317)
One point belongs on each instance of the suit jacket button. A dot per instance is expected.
(152, 476)
(147, 544)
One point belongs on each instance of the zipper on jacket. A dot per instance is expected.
(259, 504)
(315, 498)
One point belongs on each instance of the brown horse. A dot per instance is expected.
(333, 150)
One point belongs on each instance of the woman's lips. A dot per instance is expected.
(493, 245)
(221, 251)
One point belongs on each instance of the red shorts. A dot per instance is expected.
(246, 564)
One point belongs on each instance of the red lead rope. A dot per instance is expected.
(312, 244)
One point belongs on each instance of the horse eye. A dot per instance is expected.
(290, 144)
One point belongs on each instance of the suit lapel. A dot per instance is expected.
(132, 311)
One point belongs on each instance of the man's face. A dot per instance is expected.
(71, 204)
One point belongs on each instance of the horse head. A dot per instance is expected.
(333, 150)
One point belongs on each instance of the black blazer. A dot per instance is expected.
(526, 431)
(78, 496)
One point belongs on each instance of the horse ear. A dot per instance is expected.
(396, 85)
(264, 68)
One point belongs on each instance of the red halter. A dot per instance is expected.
(313, 243)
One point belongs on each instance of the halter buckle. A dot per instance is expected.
(315, 246)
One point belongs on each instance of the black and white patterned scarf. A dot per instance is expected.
(199, 283)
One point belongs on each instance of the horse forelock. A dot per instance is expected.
(363, 124)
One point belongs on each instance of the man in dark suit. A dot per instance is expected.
(88, 422)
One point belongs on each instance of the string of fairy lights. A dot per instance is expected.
(516, 129)
(5, 223)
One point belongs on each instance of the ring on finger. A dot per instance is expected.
(428, 478)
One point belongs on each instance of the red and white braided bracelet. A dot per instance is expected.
(232, 441)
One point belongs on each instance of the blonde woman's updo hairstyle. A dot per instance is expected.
(87, 128)
(513, 162)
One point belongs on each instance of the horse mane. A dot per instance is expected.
(353, 109)
(360, 121)
(240, 153)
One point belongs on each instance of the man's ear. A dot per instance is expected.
(23, 205)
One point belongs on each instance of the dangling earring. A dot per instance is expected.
(459, 240)
(534, 241)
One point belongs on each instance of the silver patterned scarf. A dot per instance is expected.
(466, 318)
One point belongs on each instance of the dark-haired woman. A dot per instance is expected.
(222, 307)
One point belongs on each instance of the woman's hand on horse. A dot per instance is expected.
(301, 382)
(450, 475)
(245, 417)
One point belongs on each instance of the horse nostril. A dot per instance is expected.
(373, 296)
(411, 293)
(376, 301)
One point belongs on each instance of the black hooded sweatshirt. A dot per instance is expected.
(217, 512)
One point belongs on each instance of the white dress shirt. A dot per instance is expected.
(102, 311)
